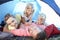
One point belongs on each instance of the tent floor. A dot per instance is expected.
(23, 38)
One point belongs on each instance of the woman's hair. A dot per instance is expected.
(7, 16)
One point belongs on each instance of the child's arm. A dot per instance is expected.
(30, 18)
(23, 20)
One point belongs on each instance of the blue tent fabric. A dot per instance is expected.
(53, 5)
(6, 8)
(4, 1)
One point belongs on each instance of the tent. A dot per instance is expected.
(9, 6)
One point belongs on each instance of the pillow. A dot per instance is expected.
(11, 28)
(49, 30)
(18, 17)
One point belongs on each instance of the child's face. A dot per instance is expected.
(29, 10)
(12, 22)
(41, 20)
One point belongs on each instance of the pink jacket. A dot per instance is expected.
(22, 31)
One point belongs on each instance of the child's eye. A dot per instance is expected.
(27, 7)
(41, 19)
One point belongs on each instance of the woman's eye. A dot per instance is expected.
(9, 23)
(12, 20)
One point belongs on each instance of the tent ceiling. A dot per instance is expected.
(4, 1)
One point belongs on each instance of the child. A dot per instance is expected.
(11, 27)
(41, 21)
(28, 13)
(50, 29)
(14, 27)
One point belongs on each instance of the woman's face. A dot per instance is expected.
(29, 10)
(12, 22)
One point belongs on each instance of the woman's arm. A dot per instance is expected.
(5, 29)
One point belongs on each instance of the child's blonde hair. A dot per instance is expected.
(42, 15)
(29, 4)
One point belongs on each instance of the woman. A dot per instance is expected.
(13, 26)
